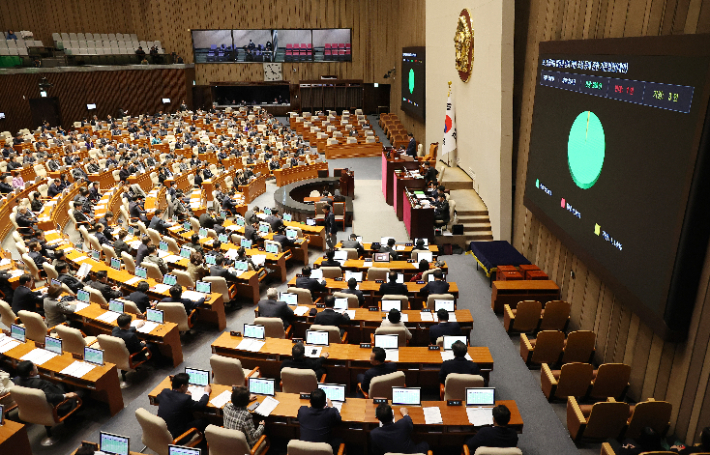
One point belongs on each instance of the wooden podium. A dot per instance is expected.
(347, 182)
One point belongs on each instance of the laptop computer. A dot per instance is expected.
(116, 264)
(290, 299)
(381, 257)
(428, 255)
(163, 245)
(241, 221)
(205, 287)
(95, 356)
(169, 279)
(224, 238)
(317, 337)
(52, 344)
(446, 304)
(95, 255)
(113, 444)
(291, 234)
(185, 252)
(271, 248)
(449, 340)
(341, 304)
(387, 305)
(310, 221)
(334, 392)
(156, 316)
(384, 240)
(211, 259)
(115, 306)
(264, 228)
(350, 274)
(83, 296)
(198, 377)
(183, 450)
(267, 211)
(141, 272)
(407, 396)
(480, 396)
(254, 331)
(287, 217)
(202, 233)
(17, 333)
(262, 386)
(246, 243)
(388, 341)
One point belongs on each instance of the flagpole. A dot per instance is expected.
(448, 155)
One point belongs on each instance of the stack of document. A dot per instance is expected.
(404, 317)
(392, 355)
(232, 253)
(7, 343)
(133, 280)
(16, 273)
(192, 295)
(173, 258)
(301, 310)
(109, 316)
(313, 351)
(399, 247)
(258, 259)
(38, 356)
(78, 369)
(145, 328)
(480, 416)
(160, 288)
(425, 316)
(267, 406)
(432, 416)
(250, 344)
(81, 306)
(222, 399)
(197, 392)
(351, 314)
(449, 355)
(337, 405)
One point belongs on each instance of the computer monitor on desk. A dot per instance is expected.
(350, 274)
(95, 356)
(198, 377)
(52, 344)
(449, 341)
(480, 396)
(204, 287)
(183, 450)
(428, 255)
(317, 337)
(115, 306)
(254, 331)
(262, 386)
(407, 396)
(388, 341)
(17, 333)
(381, 257)
(113, 444)
(387, 305)
(446, 304)
(156, 316)
(290, 299)
(334, 392)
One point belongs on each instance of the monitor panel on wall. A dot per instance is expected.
(413, 81)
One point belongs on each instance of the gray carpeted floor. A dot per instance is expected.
(544, 431)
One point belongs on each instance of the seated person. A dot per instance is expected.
(299, 360)
(127, 333)
(153, 258)
(195, 243)
(648, 442)
(218, 228)
(423, 267)
(329, 261)
(438, 286)
(28, 376)
(159, 224)
(352, 289)
(101, 235)
(444, 327)
(100, 283)
(394, 437)
(120, 245)
(390, 248)
(394, 319)
(219, 270)
(331, 317)
(242, 257)
(379, 368)
(196, 268)
(499, 435)
(306, 282)
(459, 364)
(353, 243)
(280, 236)
(176, 296)
(318, 420)
(392, 287)
(420, 245)
(236, 416)
(56, 309)
(35, 254)
(142, 251)
(24, 298)
(271, 307)
(703, 446)
(177, 406)
(140, 296)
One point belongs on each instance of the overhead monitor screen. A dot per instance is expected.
(413, 81)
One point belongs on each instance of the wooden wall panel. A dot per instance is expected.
(676, 372)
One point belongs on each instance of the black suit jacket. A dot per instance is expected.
(159, 225)
(28, 300)
(176, 409)
(105, 290)
(435, 287)
(331, 317)
(276, 309)
(133, 344)
(311, 284)
(250, 233)
(306, 363)
(73, 283)
(393, 288)
(357, 292)
(396, 438)
(331, 227)
(53, 392)
(412, 148)
(493, 437)
(206, 221)
(316, 424)
(443, 328)
(217, 270)
(53, 190)
(142, 301)
(377, 370)
(141, 253)
(457, 365)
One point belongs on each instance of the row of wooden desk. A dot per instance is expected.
(408, 268)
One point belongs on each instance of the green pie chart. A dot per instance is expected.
(411, 81)
(585, 149)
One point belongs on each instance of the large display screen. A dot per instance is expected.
(413, 81)
(616, 160)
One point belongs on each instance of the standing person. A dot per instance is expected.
(331, 227)
(412, 146)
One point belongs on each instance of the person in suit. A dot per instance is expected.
(140, 296)
(153, 258)
(54, 188)
(176, 406)
(392, 287)
(390, 248)
(229, 206)
(251, 232)
(142, 251)
(459, 364)
(330, 317)
(281, 237)
(331, 227)
(306, 282)
(25, 298)
(379, 368)
(444, 327)
(430, 173)
(72, 283)
(394, 436)
(499, 435)
(394, 319)
(411, 146)
(236, 416)
(100, 283)
(55, 310)
(102, 235)
(206, 220)
(195, 243)
(127, 333)
(219, 270)
(423, 267)
(441, 210)
(28, 376)
(176, 296)
(196, 268)
(120, 245)
(274, 220)
(271, 307)
(35, 254)
(329, 261)
(299, 360)
(136, 210)
(352, 289)
(318, 420)
(353, 243)
(438, 286)
(107, 220)
(158, 223)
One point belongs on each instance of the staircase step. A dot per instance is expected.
(479, 237)
(473, 218)
(464, 212)
(477, 227)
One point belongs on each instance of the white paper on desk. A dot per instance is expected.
(173, 258)
(350, 313)
(232, 227)
(81, 306)
(258, 259)
(197, 392)
(232, 253)
(108, 316)
(301, 310)
(68, 249)
(38, 356)
(135, 244)
(317, 274)
(339, 405)
(480, 416)
(8, 343)
(250, 345)
(5, 262)
(222, 399)
(399, 248)
(16, 273)
(313, 351)
(80, 258)
(175, 228)
(392, 355)
(133, 280)
(160, 288)
(432, 415)
(367, 264)
(404, 317)
(192, 295)
(163, 254)
(426, 316)
(78, 369)
(147, 327)
(53, 231)
(267, 406)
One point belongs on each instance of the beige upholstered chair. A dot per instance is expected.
(377, 273)
(7, 316)
(352, 253)
(183, 278)
(273, 327)
(401, 333)
(152, 270)
(33, 407)
(332, 272)
(223, 441)
(353, 301)
(298, 447)
(96, 296)
(30, 264)
(297, 380)
(154, 236)
(304, 295)
(229, 371)
(333, 333)
(573, 380)
(381, 386)
(34, 324)
(115, 352)
(109, 253)
(403, 299)
(94, 242)
(494, 451)
(602, 420)
(130, 307)
(157, 437)
(219, 286)
(73, 340)
(455, 386)
(128, 262)
(173, 247)
(546, 348)
(50, 271)
(176, 313)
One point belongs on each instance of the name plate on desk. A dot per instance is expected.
(379, 400)
(408, 244)
(305, 396)
(420, 282)
(373, 308)
(340, 278)
(434, 348)
(411, 261)
(235, 334)
(454, 403)
(320, 305)
(379, 281)
(426, 310)
(365, 345)
(297, 340)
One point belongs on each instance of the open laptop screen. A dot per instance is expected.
(480, 396)
(254, 331)
(317, 337)
(449, 340)
(390, 341)
(198, 377)
(335, 392)
(406, 396)
(262, 386)
(113, 444)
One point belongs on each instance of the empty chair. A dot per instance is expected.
(333, 333)
(109, 253)
(401, 333)
(555, 316)
(304, 295)
(154, 236)
(455, 386)
(331, 272)
(601, 420)
(650, 413)
(30, 264)
(33, 407)
(73, 340)
(115, 352)
(183, 278)
(573, 380)
(353, 301)
(273, 327)
(176, 313)
(50, 271)
(381, 386)
(352, 253)
(298, 447)
(524, 318)
(34, 324)
(157, 437)
(229, 371)
(579, 347)
(128, 262)
(223, 441)
(377, 273)
(7, 316)
(297, 380)
(219, 286)
(152, 270)
(611, 380)
(546, 348)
